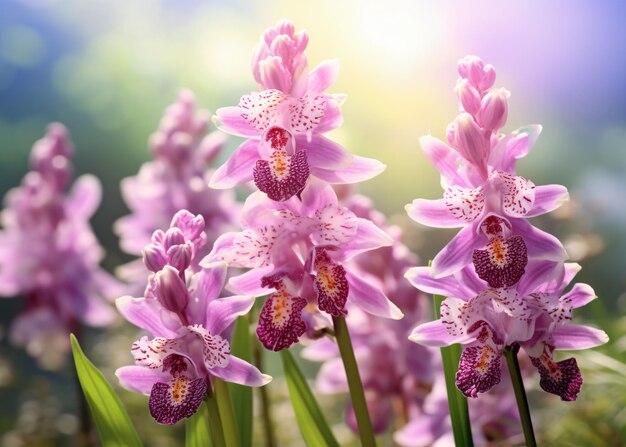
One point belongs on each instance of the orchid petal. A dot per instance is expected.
(323, 76)
(548, 198)
(241, 372)
(575, 336)
(140, 378)
(368, 237)
(84, 197)
(457, 254)
(443, 157)
(580, 295)
(229, 120)
(324, 153)
(540, 245)
(371, 299)
(360, 170)
(238, 168)
(222, 313)
(434, 334)
(421, 278)
(249, 283)
(145, 314)
(433, 213)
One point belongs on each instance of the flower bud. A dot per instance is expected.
(469, 96)
(180, 256)
(173, 236)
(191, 226)
(493, 110)
(470, 141)
(153, 258)
(473, 69)
(171, 291)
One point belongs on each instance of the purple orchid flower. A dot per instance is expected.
(284, 123)
(297, 252)
(478, 176)
(394, 373)
(188, 323)
(176, 179)
(534, 314)
(49, 253)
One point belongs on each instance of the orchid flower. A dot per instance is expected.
(297, 252)
(175, 179)
(188, 324)
(479, 180)
(49, 253)
(395, 373)
(284, 123)
(535, 314)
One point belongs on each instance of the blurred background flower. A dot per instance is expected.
(107, 70)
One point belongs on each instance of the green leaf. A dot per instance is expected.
(114, 426)
(459, 414)
(197, 429)
(313, 426)
(241, 346)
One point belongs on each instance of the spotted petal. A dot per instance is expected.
(280, 321)
(261, 109)
(480, 366)
(463, 203)
(177, 399)
(503, 262)
(331, 285)
(561, 378)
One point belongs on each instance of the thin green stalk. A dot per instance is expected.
(266, 415)
(510, 353)
(227, 415)
(366, 432)
(215, 421)
(457, 403)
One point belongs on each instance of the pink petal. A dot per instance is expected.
(332, 117)
(323, 76)
(443, 157)
(540, 245)
(575, 336)
(360, 170)
(514, 146)
(371, 299)
(241, 372)
(238, 168)
(249, 283)
(457, 254)
(368, 237)
(580, 295)
(229, 120)
(434, 334)
(548, 198)
(223, 312)
(421, 278)
(145, 314)
(433, 213)
(324, 153)
(84, 197)
(140, 378)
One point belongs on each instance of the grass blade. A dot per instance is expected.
(241, 346)
(114, 426)
(197, 429)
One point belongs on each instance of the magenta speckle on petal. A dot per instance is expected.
(503, 262)
(480, 365)
(330, 285)
(561, 378)
(280, 320)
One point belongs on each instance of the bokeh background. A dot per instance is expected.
(107, 69)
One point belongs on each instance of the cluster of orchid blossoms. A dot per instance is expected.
(297, 239)
(503, 278)
(188, 322)
(50, 255)
(176, 179)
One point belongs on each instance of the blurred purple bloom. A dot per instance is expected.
(176, 179)
(48, 252)
(298, 252)
(189, 327)
(284, 123)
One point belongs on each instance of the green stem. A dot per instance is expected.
(266, 415)
(225, 406)
(366, 432)
(215, 421)
(510, 353)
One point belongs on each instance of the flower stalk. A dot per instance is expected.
(215, 421)
(366, 432)
(510, 354)
(227, 415)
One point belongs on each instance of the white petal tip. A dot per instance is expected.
(266, 379)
